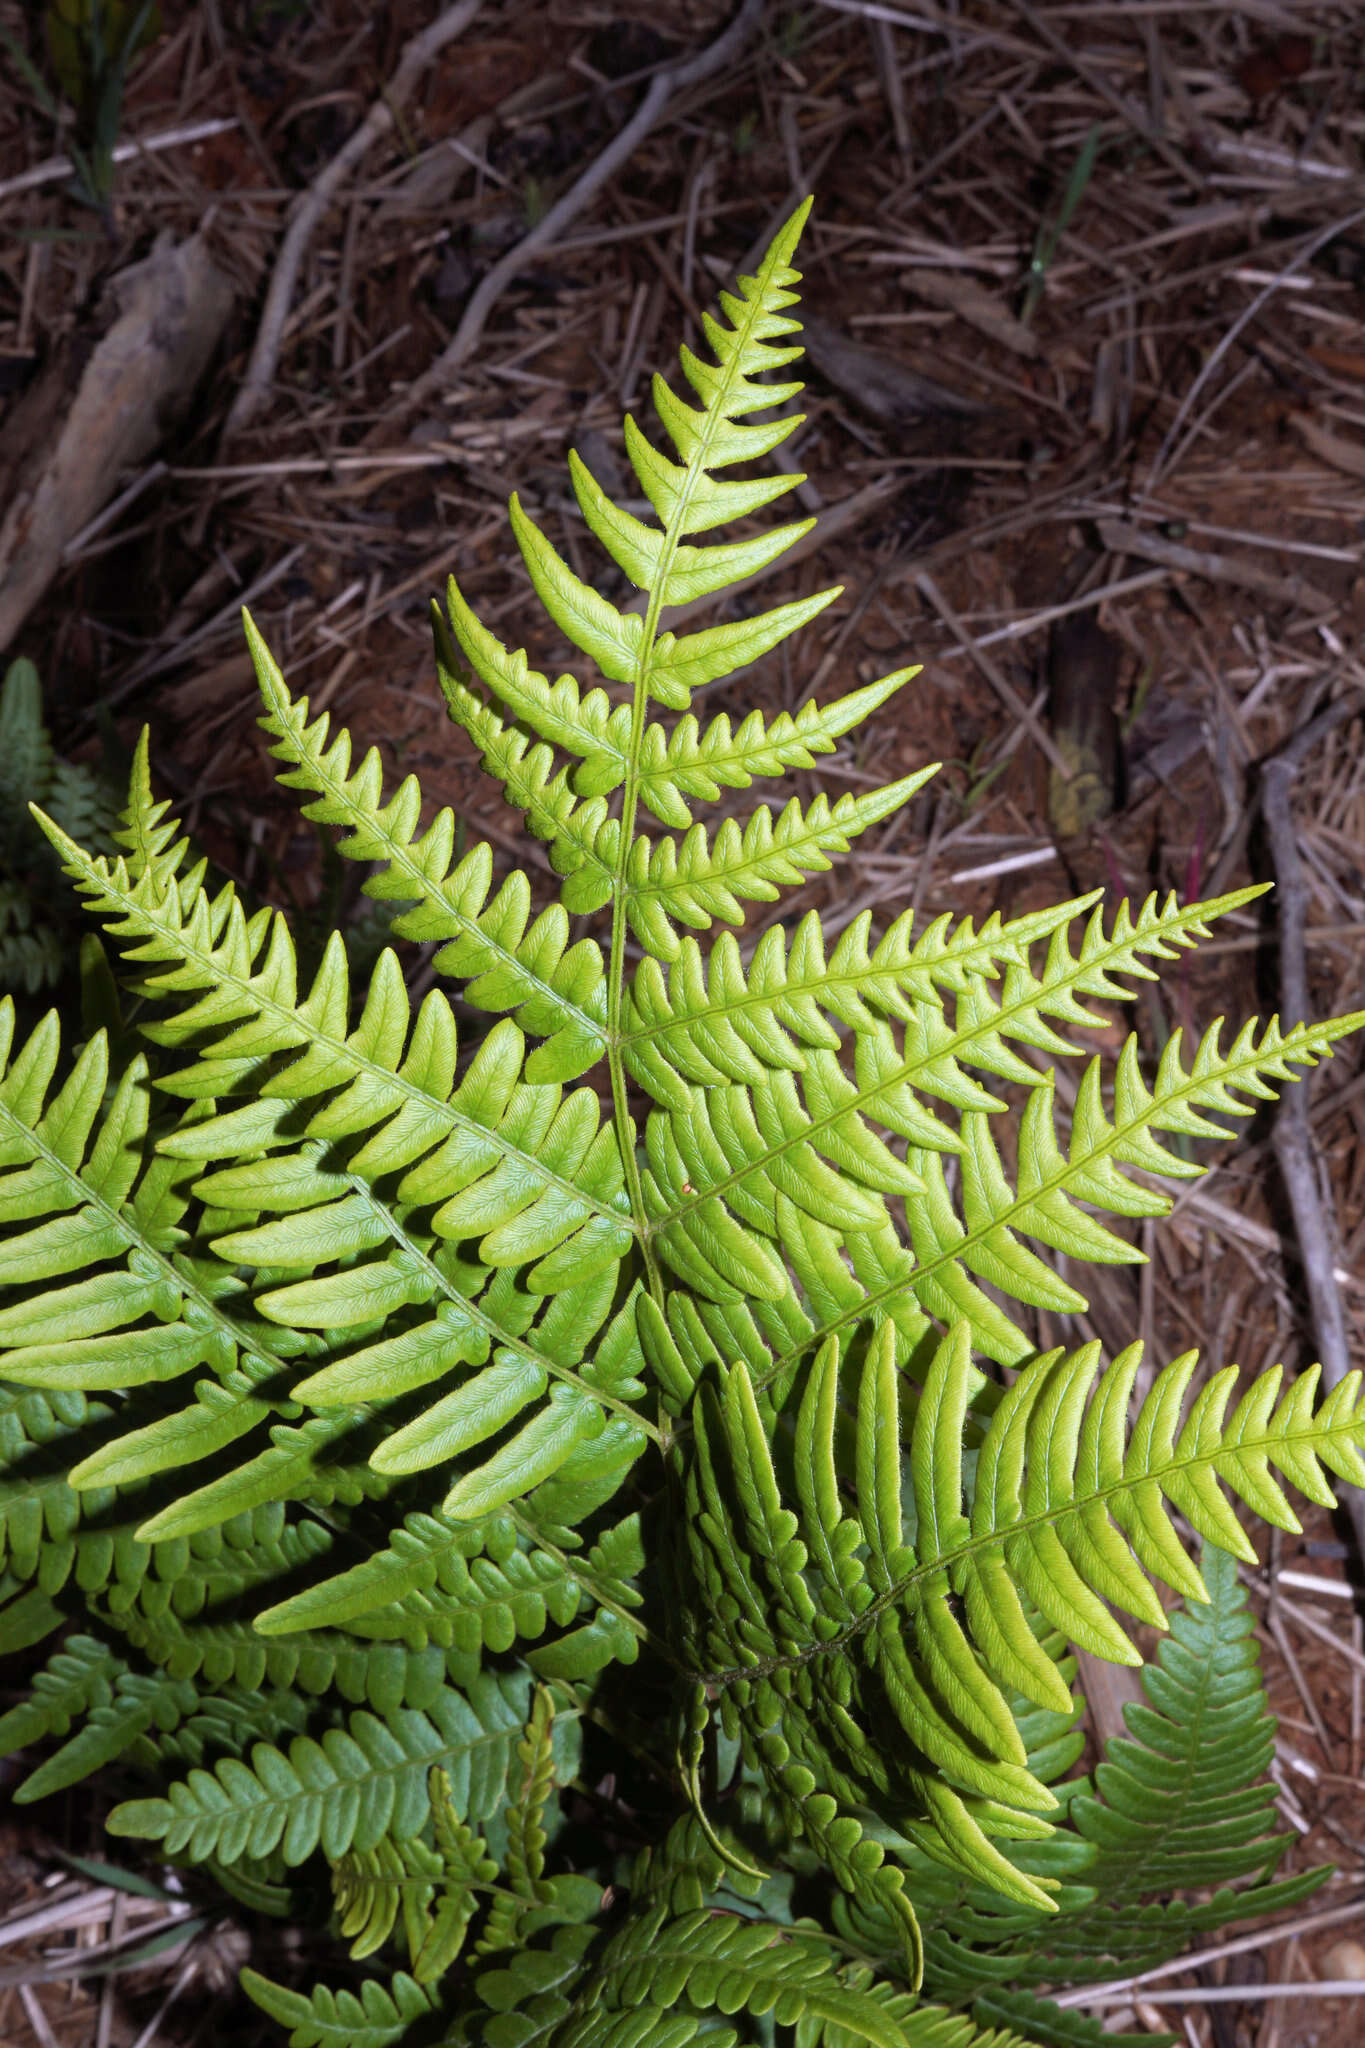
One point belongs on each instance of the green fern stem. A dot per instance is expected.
(616, 980)
(697, 468)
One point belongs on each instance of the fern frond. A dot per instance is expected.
(1181, 1804)
(696, 882)
(1068, 1507)
(524, 1863)
(378, 1385)
(712, 1020)
(687, 763)
(136, 1704)
(32, 951)
(698, 764)
(532, 1177)
(105, 1205)
(1045, 2025)
(509, 963)
(230, 1717)
(739, 1188)
(484, 1586)
(435, 1889)
(701, 882)
(325, 1461)
(40, 1511)
(25, 747)
(712, 1963)
(380, 2016)
(77, 1678)
(346, 1791)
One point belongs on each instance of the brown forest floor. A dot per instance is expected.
(1113, 504)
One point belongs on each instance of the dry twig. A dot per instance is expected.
(584, 189)
(1314, 1218)
(415, 60)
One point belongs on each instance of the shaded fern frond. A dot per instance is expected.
(485, 1586)
(377, 2017)
(76, 1679)
(709, 1963)
(1045, 2025)
(35, 934)
(348, 1791)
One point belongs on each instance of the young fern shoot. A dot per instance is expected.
(378, 1383)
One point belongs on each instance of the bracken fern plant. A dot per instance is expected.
(573, 1479)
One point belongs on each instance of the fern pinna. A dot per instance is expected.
(379, 1383)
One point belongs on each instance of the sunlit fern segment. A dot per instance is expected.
(519, 719)
(853, 1607)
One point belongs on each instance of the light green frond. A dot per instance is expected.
(687, 499)
(697, 764)
(1070, 1508)
(681, 664)
(613, 639)
(694, 882)
(722, 1209)
(546, 795)
(324, 1460)
(653, 561)
(142, 1312)
(508, 961)
(529, 1176)
(700, 880)
(1052, 1182)
(673, 767)
(379, 2016)
(587, 725)
(525, 1887)
(712, 1019)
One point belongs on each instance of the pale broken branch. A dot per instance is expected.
(417, 57)
(584, 189)
(1314, 1218)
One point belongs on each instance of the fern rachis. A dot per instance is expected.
(378, 1387)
